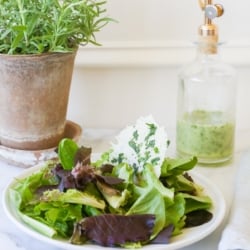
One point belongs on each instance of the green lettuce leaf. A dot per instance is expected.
(194, 202)
(181, 183)
(57, 215)
(125, 172)
(175, 214)
(66, 151)
(16, 200)
(114, 197)
(177, 166)
(27, 187)
(152, 198)
(72, 196)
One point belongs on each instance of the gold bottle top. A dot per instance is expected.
(208, 32)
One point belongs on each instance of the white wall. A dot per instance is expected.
(134, 73)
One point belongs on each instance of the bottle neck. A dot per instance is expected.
(207, 48)
(208, 44)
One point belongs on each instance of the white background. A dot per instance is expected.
(134, 72)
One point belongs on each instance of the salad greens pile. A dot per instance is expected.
(131, 196)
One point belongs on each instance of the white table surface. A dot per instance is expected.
(11, 238)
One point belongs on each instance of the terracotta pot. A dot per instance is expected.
(34, 98)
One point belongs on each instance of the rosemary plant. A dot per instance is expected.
(40, 26)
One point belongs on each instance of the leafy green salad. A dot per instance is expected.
(130, 196)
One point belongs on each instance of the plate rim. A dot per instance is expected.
(210, 189)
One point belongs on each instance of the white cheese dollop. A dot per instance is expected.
(143, 143)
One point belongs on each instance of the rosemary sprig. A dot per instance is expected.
(39, 26)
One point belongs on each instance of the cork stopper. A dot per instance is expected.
(208, 44)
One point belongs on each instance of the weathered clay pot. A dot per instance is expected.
(34, 92)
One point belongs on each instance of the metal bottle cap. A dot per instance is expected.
(211, 11)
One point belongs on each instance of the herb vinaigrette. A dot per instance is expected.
(206, 135)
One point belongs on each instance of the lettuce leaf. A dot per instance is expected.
(66, 151)
(57, 215)
(97, 193)
(152, 198)
(72, 196)
(114, 197)
(16, 201)
(175, 214)
(119, 229)
(171, 167)
(27, 187)
(194, 202)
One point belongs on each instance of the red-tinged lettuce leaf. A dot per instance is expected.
(65, 179)
(83, 155)
(197, 218)
(114, 230)
(109, 180)
(106, 168)
(83, 174)
(164, 236)
(70, 154)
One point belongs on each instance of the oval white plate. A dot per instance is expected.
(188, 237)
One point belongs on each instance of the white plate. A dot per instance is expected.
(188, 237)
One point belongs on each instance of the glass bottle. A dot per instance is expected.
(206, 105)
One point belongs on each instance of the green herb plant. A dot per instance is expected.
(40, 26)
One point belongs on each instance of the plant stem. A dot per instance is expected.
(21, 11)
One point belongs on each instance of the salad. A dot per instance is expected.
(130, 196)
